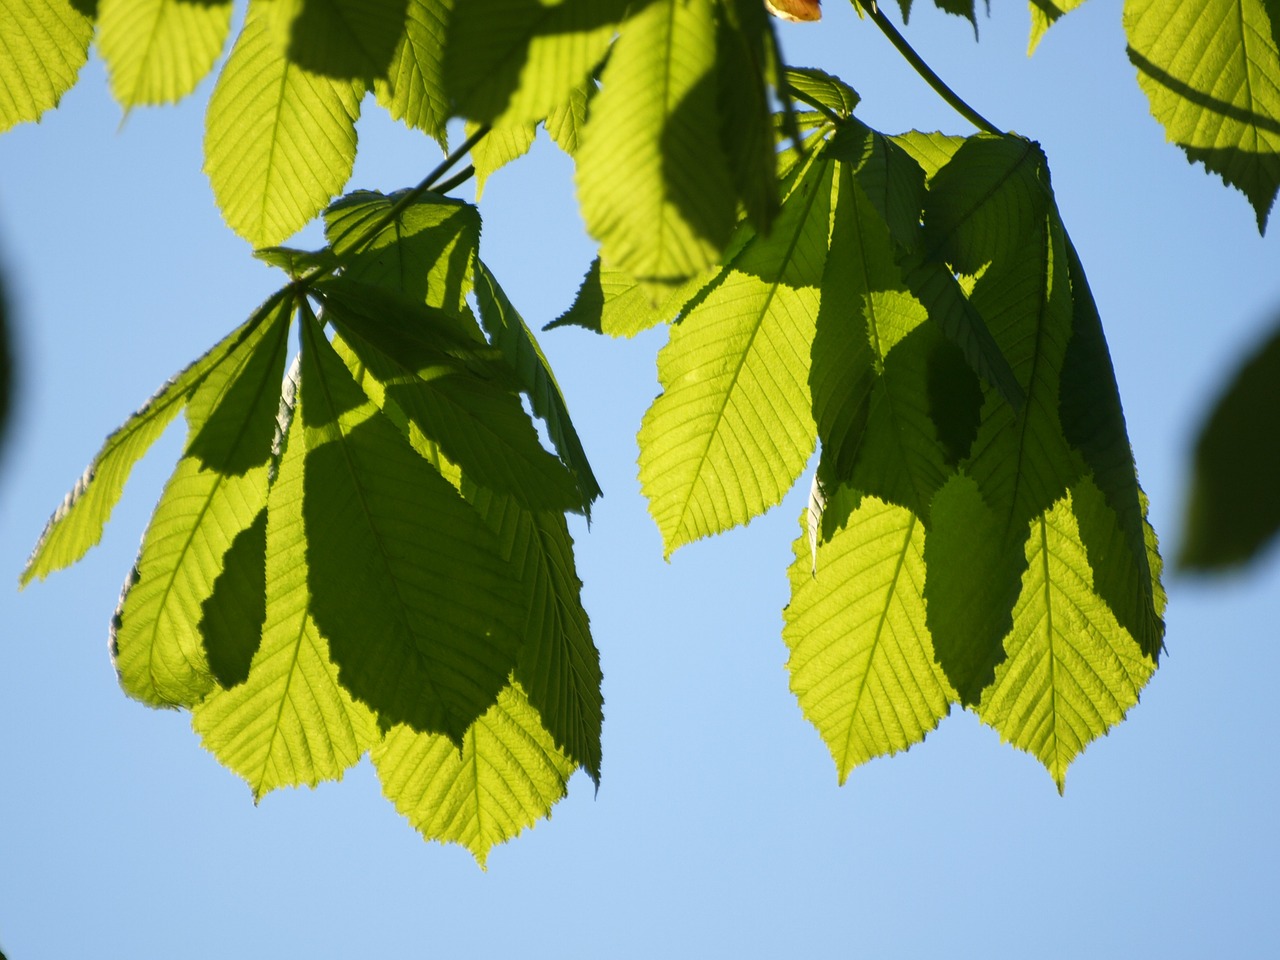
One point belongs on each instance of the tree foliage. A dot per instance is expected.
(365, 550)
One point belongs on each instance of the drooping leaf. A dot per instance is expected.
(477, 422)
(1044, 14)
(506, 142)
(733, 427)
(425, 250)
(1232, 509)
(559, 666)
(412, 89)
(46, 42)
(1071, 671)
(659, 198)
(515, 61)
(346, 39)
(513, 337)
(422, 613)
(280, 140)
(291, 722)
(77, 523)
(157, 51)
(157, 638)
(862, 663)
(1211, 71)
(613, 303)
(506, 777)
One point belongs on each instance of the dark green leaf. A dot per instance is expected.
(350, 39)
(231, 617)
(746, 122)
(820, 89)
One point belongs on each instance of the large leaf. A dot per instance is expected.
(1212, 73)
(1071, 672)
(413, 88)
(77, 523)
(157, 640)
(517, 60)
(280, 140)
(862, 663)
(733, 427)
(291, 722)
(423, 614)
(513, 337)
(1233, 509)
(506, 777)
(653, 190)
(156, 51)
(46, 42)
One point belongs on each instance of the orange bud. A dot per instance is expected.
(795, 10)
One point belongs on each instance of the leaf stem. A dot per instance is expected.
(953, 99)
(461, 177)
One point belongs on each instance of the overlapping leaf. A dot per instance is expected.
(156, 51)
(1211, 71)
(1044, 14)
(45, 43)
(412, 88)
(505, 143)
(612, 302)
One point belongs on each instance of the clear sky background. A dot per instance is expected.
(719, 829)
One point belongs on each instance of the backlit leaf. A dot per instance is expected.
(412, 89)
(1044, 14)
(612, 302)
(156, 51)
(46, 42)
(506, 142)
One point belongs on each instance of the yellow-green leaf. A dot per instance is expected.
(45, 43)
(157, 51)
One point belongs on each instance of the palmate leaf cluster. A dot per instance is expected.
(364, 549)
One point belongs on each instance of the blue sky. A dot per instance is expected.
(719, 829)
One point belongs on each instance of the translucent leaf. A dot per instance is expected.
(653, 191)
(78, 522)
(565, 122)
(506, 777)
(1044, 14)
(231, 617)
(889, 176)
(1232, 508)
(280, 140)
(425, 250)
(744, 69)
(513, 337)
(1212, 73)
(412, 89)
(157, 640)
(46, 42)
(515, 61)
(862, 663)
(819, 88)
(423, 615)
(344, 39)
(559, 666)
(932, 151)
(506, 142)
(1071, 672)
(612, 302)
(157, 51)
(733, 427)
(291, 722)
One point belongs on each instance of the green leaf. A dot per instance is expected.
(509, 332)
(426, 250)
(1071, 672)
(345, 39)
(506, 777)
(423, 615)
(733, 427)
(506, 142)
(477, 422)
(291, 722)
(656, 193)
(565, 121)
(296, 262)
(744, 69)
(1044, 14)
(1232, 509)
(932, 151)
(231, 617)
(157, 51)
(889, 176)
(157, 637)
(1211, 71)
(862, 663)
(412, 89)
(46, 42)
(280, 140)
(559, 666)
(612, 302)
(820, 89)
(78, 522)
(514, 61)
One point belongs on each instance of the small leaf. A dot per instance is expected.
(1212, 73)
(1044, 14)
(862, 663)
(412, 89)
(612, 302)
(564, 123)
(423, 615)
(821, 89)
(157, 51)
(46, 42)
(1232, 509)
(279, 140)
(506, 777)
(506, 142)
